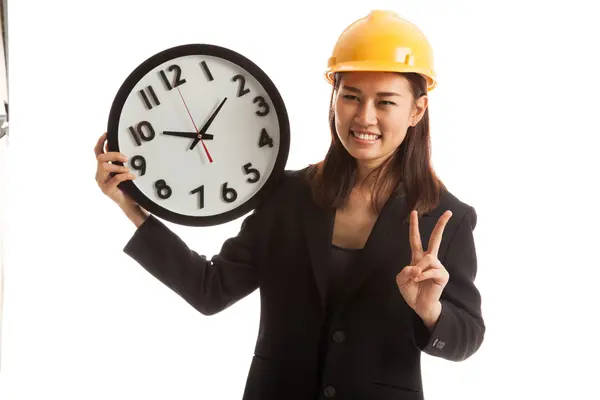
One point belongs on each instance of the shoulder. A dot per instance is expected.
(461, 210)
(293, 180)
(287, 187)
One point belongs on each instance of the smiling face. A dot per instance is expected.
(373, 111)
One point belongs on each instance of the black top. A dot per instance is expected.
(343, 261)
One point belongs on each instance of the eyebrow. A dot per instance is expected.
(382, 94)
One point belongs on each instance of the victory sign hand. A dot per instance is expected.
(422, 282)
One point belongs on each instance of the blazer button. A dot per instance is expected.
(329, 391)
(339, 337)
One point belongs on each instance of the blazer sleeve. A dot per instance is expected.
(460, 329)
(209, 285)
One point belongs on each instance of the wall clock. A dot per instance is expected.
(205, 131)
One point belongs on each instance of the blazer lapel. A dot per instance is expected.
(318, 229)
(387, 245)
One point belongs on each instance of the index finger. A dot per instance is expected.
(99, 148)
(414, 235)
(436, 235)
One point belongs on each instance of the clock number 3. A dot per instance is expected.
(263, 105)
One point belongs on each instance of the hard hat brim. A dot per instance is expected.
(373, 66)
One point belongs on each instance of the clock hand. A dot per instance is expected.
(189, 135)
(207, 124)
(199, 136)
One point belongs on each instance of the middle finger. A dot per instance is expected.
(114, 167)
(436, 235)
(112, 156)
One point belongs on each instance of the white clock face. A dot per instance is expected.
(165, 112)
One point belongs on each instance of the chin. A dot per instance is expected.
(366, 155)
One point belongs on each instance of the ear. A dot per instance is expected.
(419, 108)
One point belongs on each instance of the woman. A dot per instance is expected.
(349, 295)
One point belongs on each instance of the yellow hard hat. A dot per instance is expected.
(382, 41)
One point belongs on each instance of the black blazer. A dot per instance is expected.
(283, 248)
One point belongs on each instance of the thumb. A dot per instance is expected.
(407, 275)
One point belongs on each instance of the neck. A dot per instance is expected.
(365, 177)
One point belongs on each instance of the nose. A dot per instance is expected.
(366, 114)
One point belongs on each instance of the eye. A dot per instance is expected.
(388, 103)
(350, 97)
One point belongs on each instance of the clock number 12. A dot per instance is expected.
(178, 80)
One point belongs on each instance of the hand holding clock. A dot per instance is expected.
(109, 175)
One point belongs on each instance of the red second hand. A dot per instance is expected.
(195, 127)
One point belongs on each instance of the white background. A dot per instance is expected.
(515, 134)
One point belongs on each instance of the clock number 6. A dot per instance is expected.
(229, 194)
(249, 170)
(161, 186)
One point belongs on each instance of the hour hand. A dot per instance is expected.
(189, 135)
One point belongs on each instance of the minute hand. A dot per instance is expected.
(207, 124)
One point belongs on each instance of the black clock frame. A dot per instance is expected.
(278, 104)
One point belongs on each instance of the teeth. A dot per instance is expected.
(364, 137)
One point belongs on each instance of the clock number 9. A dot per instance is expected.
(229, 194)
(161, 186)
(139, 163)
